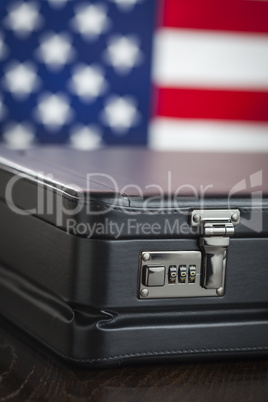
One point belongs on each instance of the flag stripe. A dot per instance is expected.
(214, 104)
(202, 59)
(210, 76)
(227, 15)
(205, 135)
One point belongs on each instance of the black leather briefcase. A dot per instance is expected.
(128, 255)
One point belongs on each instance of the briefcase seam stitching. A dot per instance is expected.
(156, 353)
(181, 351)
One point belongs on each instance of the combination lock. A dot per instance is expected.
(170, 274)
(167, 274)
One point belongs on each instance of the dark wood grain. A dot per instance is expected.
(29, 372)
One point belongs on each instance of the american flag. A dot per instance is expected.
(170, 74)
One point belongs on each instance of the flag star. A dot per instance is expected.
(19, 136)
(3, 47)
(53, 111)
(123, 53)
(23, 18)
(88, 82)
(86, 137)
(58, 3)
(2, 109)
(21, 79)
(90, 20)
(125, 5)
(120, 113)
(55, 50)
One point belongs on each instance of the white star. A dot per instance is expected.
(123, 53)
(58, 3)
(21, 79)
(90, 20)
(2, 109)
(19, 136)
(120, 113)
(86, 137)
(55, 50)
(23, 19)
(125, 5)
(88, 82)
(54, 111)
(3, 47)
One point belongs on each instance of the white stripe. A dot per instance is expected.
(210, 59)
(208, 135)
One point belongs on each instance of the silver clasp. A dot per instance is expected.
(217, 226)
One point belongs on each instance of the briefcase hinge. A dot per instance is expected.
(217, 226)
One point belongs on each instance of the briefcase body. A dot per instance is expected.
(128, 255)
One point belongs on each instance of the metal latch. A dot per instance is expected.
(217, 225)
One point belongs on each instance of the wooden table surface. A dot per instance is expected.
(29, 372)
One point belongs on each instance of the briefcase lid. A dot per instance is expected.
(123, 182)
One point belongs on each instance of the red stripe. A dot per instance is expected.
(227, 15)
(211, 104)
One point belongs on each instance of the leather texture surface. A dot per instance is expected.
(89, 337)
(104, 273)
(79, 295)
(138, 166)
(88, 187)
